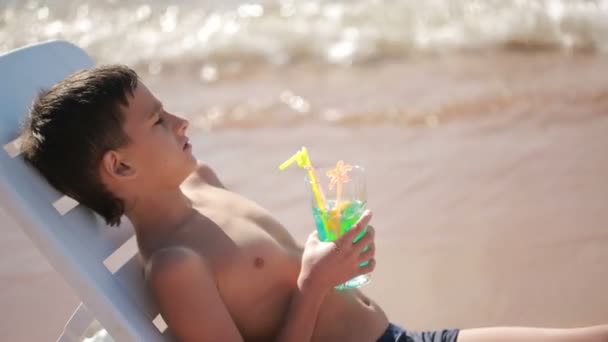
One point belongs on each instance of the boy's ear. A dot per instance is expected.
(115, 166)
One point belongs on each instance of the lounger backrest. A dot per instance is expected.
(77, 244)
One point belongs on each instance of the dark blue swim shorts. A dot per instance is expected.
(395, 333)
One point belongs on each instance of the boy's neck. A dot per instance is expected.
(160, 213)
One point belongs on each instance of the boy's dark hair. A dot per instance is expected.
(72, 125)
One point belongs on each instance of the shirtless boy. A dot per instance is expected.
(220, 266)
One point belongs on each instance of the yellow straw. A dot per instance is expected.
(303, 160)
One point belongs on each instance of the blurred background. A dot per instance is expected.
(206, 46)
(483, 126)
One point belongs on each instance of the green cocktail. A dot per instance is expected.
(344, 204)
(339, 220)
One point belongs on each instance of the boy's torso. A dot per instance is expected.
(256, 264)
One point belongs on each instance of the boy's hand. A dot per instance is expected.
(328, 264)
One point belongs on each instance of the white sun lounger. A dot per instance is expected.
(99, 262)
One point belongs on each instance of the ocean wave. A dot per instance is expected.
(163, 33)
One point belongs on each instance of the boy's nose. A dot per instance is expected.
(182, 125)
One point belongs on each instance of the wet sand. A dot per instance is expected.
(489, 194)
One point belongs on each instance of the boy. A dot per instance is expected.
(220, 267)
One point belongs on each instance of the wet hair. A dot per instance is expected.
(72, 125)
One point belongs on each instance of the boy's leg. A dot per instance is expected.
(597, 333)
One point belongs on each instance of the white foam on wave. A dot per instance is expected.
(278, 32)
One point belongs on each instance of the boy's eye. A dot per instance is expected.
(159, 121)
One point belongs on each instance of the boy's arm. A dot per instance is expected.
(302, 316)
(188, 297)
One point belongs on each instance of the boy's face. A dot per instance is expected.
(159, 156)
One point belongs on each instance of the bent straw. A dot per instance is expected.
(303, 160)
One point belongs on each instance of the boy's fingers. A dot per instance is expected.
(313, 236)
(368, 253)
(359, 226)
(367, 238)
(371, 265)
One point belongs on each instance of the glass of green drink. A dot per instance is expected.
(344, 200)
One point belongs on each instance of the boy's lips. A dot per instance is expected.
(186, 144)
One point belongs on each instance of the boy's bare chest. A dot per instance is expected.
(255, 262)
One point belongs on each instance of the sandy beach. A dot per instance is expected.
(487, 180)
